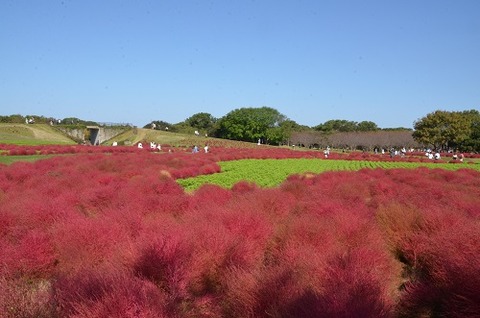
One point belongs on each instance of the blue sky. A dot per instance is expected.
(390, 62)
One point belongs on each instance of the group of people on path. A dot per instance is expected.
(435, 155)
(153, 146)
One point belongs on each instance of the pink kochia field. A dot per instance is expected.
(114, 235)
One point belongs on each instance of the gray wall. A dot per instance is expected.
(102, 134)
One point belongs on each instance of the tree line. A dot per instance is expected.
(439, 130)
(443, 130)
(68, 121)
(264, 123)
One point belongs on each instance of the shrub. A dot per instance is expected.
(101, 234)
(26, 297)
(109, 294)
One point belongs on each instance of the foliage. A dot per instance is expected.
(337, 125)
(202, 121)
(447, 130)
(473, 142)
(281, 134)
(249, 124)
(272, 172)
(14, 119)
(74, 121)
(341, 125)
(20, 119)
(103, 235)
(367, 126)
(40, 119)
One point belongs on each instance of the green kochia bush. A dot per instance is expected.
(113, 235)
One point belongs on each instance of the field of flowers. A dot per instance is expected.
(112, 234)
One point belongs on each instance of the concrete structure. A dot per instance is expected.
(95, 135)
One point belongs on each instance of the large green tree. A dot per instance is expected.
(473, 142)
(342, 125)
(249, 123)
(203, 121)
(443, 129)
(367, 126)
(281, 134)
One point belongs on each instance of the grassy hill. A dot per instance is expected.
(135, 135)
(36, 134)
(41, 134)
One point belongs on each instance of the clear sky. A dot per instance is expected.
(390, 62)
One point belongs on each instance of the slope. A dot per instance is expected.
(36, 134)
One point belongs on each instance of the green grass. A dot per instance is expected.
(272, 172)
(135, 135)
(11, 159)
(28, 142)
(32, 135)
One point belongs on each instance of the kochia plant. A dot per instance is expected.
(97, 235)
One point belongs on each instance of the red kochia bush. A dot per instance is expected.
(218, 150)
(98, 235)
(164, 260)
(209, 194)
(109, 294)
(350, 290)
(33, 256)
(434, 233)
(444, 267)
